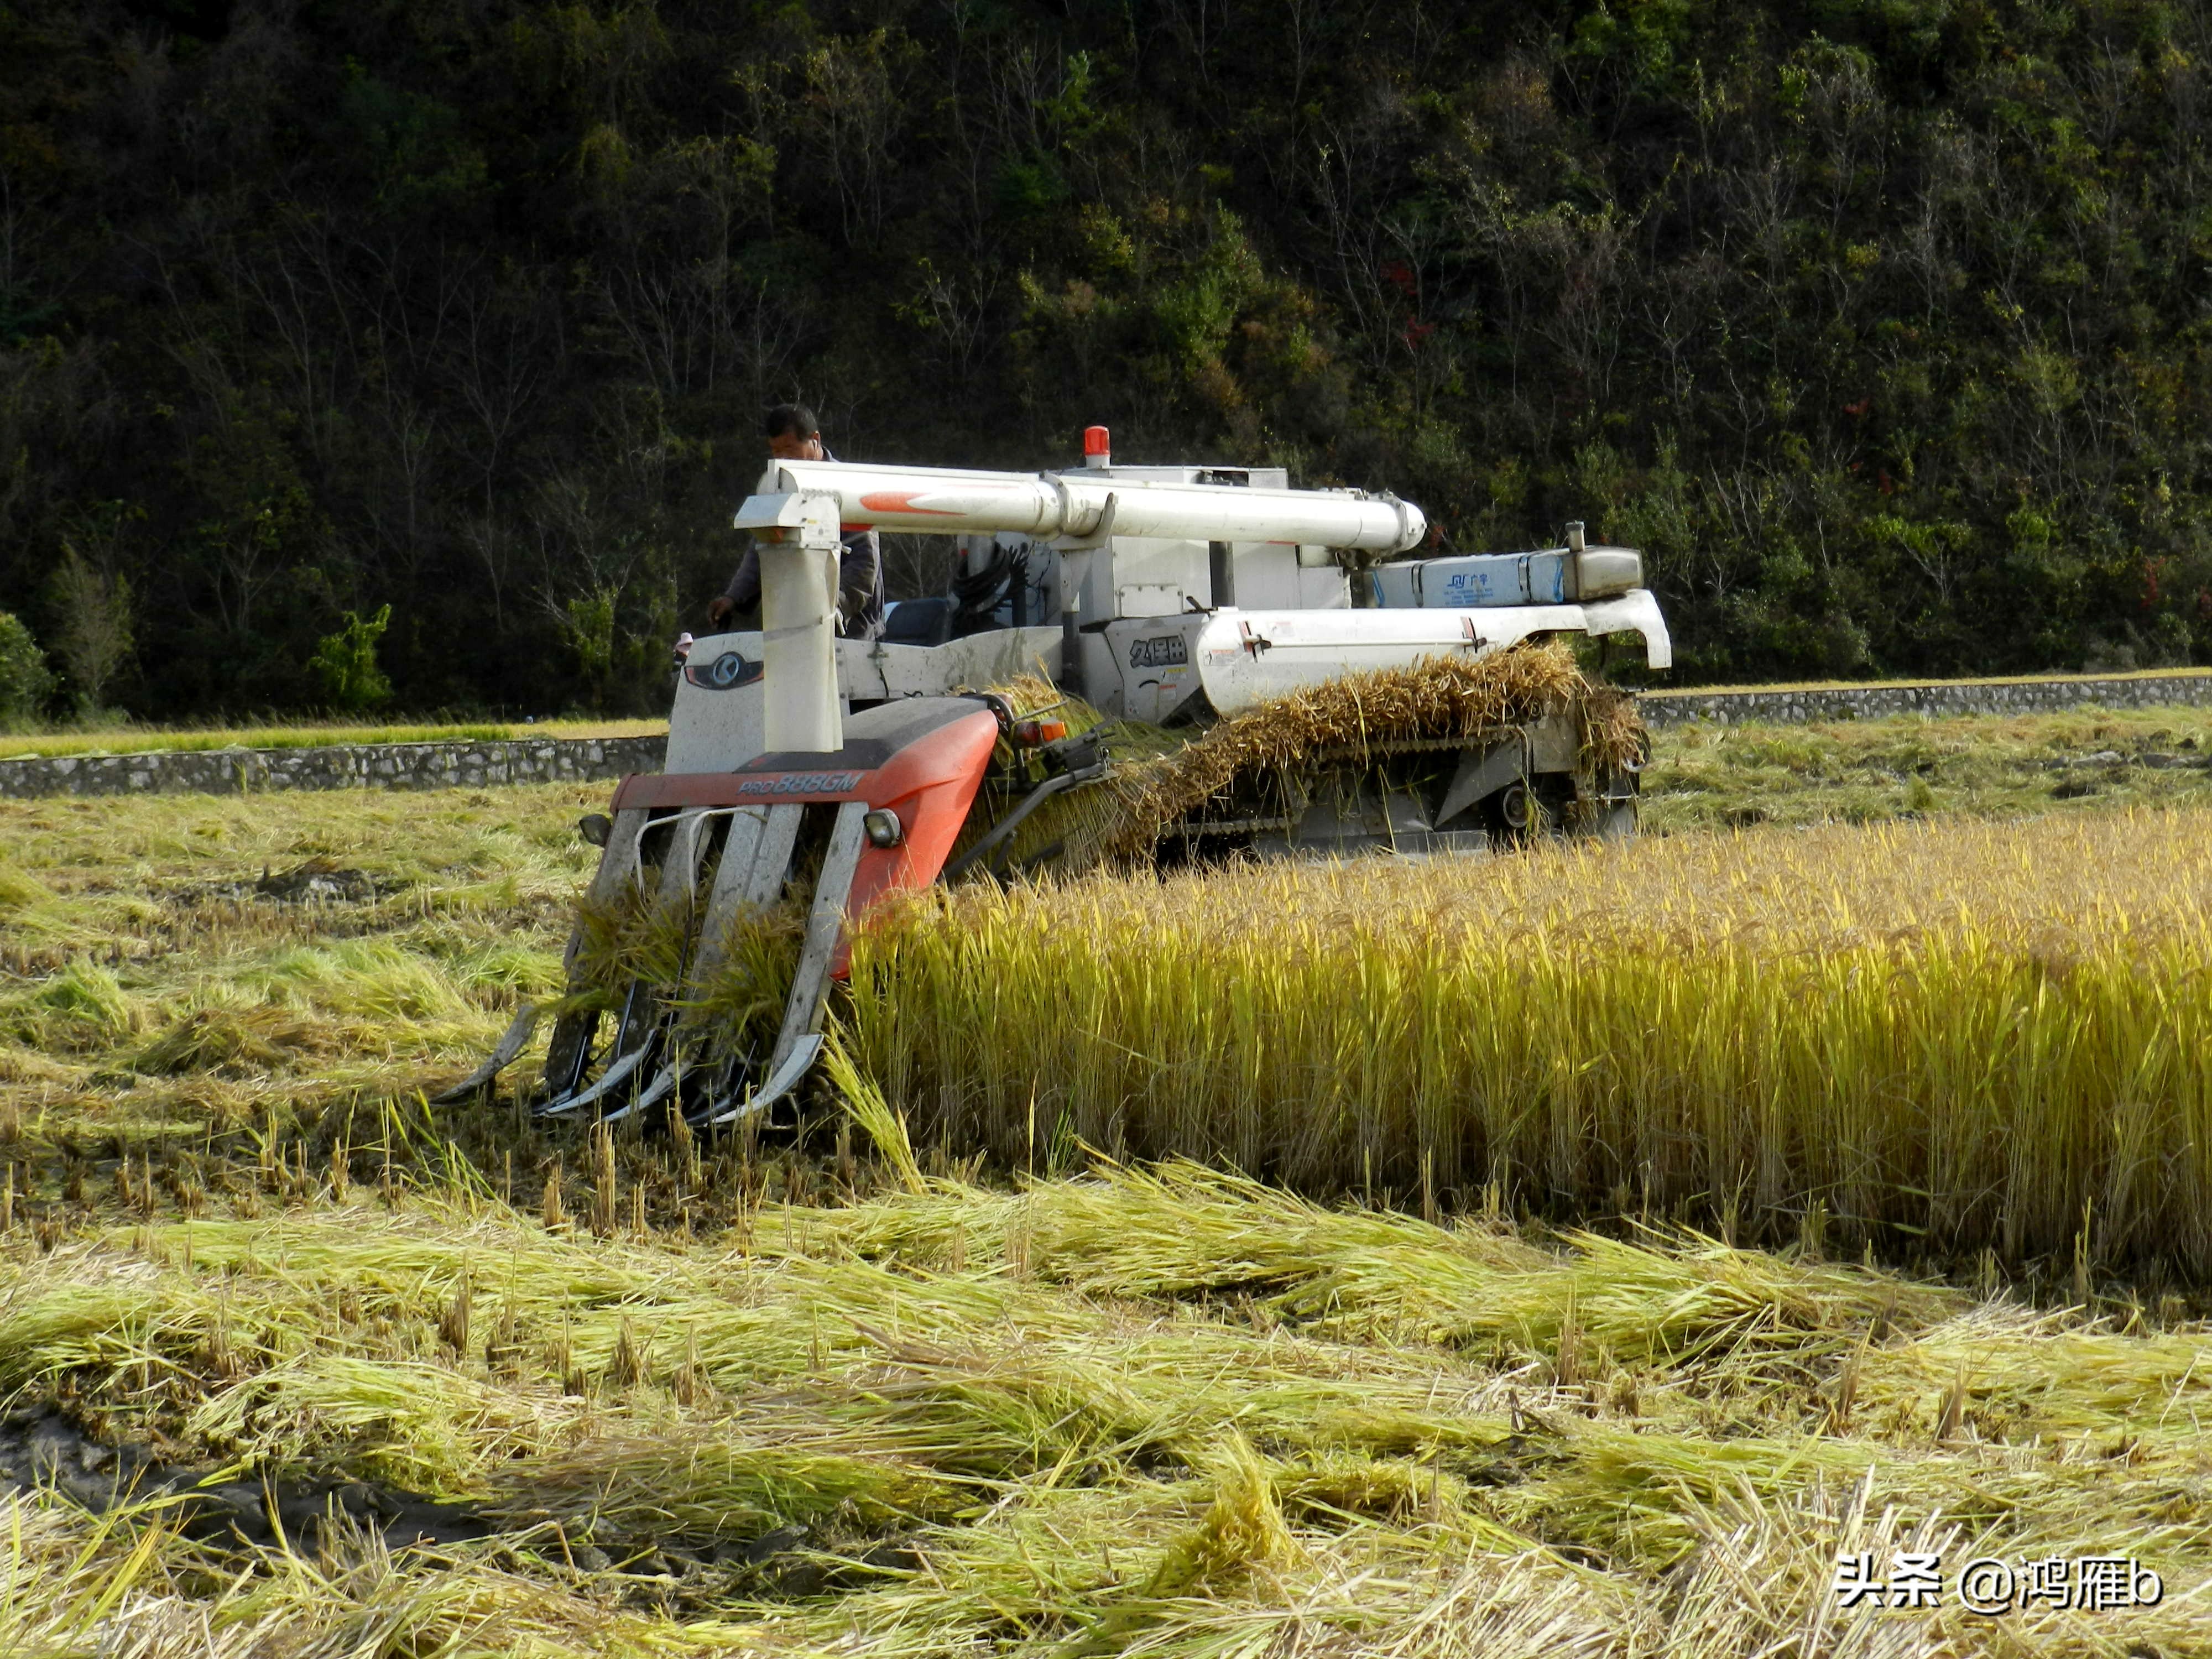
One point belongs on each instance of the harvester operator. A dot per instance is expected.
(794, 434)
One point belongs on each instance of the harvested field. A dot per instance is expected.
(1141, 1413)
(2089, 760)
(874, 1395)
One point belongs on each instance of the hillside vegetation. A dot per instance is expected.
(1880, 323)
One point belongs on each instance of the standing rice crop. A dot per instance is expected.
(1966, 1035)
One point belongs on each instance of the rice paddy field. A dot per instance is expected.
(1579, 1252)
(1876, 771)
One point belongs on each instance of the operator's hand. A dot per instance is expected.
(718, 607)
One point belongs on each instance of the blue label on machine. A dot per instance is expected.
(1475, 580)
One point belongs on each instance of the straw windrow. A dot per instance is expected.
(1172, 1412)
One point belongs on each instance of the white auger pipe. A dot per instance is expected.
(798, 553)
(1073, 507)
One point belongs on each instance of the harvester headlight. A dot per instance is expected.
(595, 828)
(883, 827)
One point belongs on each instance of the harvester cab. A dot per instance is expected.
(809, 776)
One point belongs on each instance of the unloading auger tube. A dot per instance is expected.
(1078, 512)
(775, 768)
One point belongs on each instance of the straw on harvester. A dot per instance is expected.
(1355, 718)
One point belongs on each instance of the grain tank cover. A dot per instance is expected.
(1555, 575)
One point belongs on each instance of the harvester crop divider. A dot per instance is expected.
(511, 1045)
(679, 869)
(824, 924)
(652, 1095)
(617, 864)
(799, 1041)
(781, 1082)
(617, 1071)
(570, 1050)
(755, 861)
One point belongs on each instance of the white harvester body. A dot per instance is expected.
(1160, 593)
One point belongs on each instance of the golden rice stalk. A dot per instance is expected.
(865, 1101)
(1242, 1529)
(231, 1041)
(1958, 1033)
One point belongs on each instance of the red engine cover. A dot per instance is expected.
(930, 782)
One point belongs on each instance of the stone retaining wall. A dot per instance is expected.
(1936, 697)
(590, 760)
(349, 766)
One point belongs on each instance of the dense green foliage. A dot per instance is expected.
(1880, 324)
(25, 682)
(345, 662)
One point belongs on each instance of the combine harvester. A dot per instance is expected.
(1162, 597)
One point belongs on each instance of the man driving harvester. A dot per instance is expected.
(794, 434)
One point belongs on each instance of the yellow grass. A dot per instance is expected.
(1948, 1037)
(142, 739)
(1985, 679)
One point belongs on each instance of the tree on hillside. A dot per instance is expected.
(92, 634)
